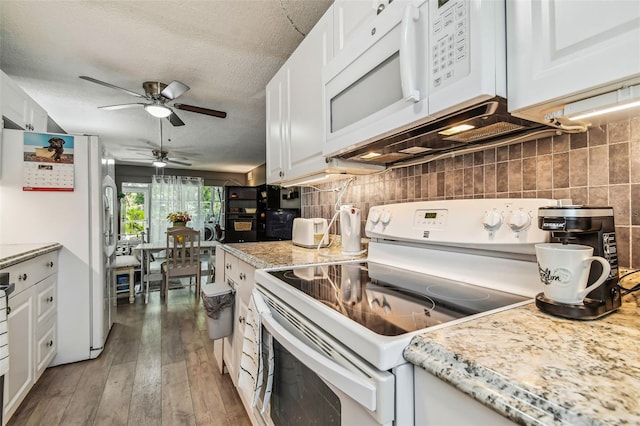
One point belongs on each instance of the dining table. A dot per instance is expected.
(147, 249)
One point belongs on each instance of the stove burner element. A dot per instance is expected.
(454, 294)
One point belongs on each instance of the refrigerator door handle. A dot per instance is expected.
(109, 209)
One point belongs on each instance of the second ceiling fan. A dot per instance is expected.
(158, 96)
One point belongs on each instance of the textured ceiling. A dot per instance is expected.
(225, 50)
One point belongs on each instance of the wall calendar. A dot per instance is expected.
(48, 162)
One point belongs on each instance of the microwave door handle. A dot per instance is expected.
(353, 385)
(408, 53)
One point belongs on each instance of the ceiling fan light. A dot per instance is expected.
(159, 111)
(159, 163)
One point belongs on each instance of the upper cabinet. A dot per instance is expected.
(19, 108)
(562, 51)
(350, 14)
(295, 105)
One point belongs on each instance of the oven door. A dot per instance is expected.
(377, 84)
(316, 380)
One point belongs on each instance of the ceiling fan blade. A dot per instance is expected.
(200, 110)
(121, 106)
(182, 163)
(174, 90)
(175, 120)
(93, 80)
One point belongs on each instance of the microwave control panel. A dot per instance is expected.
(448, 41)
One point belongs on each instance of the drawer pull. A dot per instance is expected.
(242, 276)
(50, 343)
(241, 319)
(22, 277)
(50, 299)
(8, 310)
(50, 264)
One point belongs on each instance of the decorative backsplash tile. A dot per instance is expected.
(599, 167)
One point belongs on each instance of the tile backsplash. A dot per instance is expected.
(599, 167)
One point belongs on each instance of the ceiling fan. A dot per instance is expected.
(158, 96)
(159, 156)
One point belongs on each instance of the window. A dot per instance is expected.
(212, 197)
(134, 208)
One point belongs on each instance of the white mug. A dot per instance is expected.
(564, 271)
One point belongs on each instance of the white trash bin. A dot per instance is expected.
(218, 302)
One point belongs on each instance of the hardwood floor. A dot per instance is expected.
(157, 368)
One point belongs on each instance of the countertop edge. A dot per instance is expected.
(484, 385)
(8, 261)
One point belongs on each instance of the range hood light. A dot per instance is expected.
(159, 163)
(159, 111)
(621, 99)
(456, 129)
(370, 155)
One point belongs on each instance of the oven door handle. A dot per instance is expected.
(355, 386)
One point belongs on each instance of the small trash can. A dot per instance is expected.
(218, 300)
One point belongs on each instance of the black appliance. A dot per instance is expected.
(279, 223)
(590, 226)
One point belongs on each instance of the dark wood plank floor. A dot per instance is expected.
(157, 368)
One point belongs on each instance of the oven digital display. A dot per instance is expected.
(442, 3)
(430, 215)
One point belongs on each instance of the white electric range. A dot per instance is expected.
(338, 330)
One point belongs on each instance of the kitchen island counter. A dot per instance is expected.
(11, 254)
(270, 254)
(537, 369)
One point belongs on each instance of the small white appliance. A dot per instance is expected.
(422, 77)
(84, 222)
(310, 233)
(350, 229)
(337, 331)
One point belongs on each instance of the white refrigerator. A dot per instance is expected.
(81, 218)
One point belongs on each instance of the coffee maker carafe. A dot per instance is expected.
(590, 226)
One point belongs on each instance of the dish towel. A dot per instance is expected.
(250, 358)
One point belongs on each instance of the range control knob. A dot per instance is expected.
(492, 221)
(385, 218)
(519, 221)
(374, 216)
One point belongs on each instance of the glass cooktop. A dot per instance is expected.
(391, 301)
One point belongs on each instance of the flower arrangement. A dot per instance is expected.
(179, 217)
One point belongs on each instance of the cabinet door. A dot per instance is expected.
(20, 377)
(348, 15)
(37, 117)
(577, 45)
(277, 112)
(306, 102)
(14, 101)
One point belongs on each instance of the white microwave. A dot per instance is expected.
(415, 62)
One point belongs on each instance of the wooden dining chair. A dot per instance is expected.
(183, 257)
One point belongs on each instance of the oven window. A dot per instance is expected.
(299, 396)
(373, 92)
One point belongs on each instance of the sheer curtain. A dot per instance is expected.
(174, 194)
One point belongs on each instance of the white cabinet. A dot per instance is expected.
(560, 51)
(295, 123)
(31, 321)
(349, 15)
(438, 403)
(240, 276)
(19, 108)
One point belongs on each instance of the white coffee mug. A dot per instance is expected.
(564, 271)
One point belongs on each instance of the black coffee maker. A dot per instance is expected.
(589, 226)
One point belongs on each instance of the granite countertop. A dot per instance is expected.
(10, 254)
(538, 369)
(271, 254)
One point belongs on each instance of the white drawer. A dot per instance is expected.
(45, 299)
(27, 273)
(46, 346)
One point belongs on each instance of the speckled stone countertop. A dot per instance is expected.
(538, 369)
(10, 254)
(270, 254)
